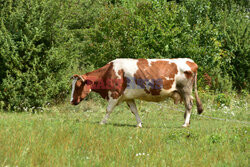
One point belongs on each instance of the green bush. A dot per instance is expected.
(159, 29)
(222, 100)
(42, 42)
(223, 24)
(33, 54)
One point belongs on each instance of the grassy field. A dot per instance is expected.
(66, 135)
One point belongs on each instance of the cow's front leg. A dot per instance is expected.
(110, 108)
(133, 108)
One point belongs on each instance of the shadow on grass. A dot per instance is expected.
(114, 124)
(143, 126)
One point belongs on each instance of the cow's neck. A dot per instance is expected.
(100, 75)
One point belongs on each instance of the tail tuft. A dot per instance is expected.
(199, 106)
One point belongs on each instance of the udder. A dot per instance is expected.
(177, 97)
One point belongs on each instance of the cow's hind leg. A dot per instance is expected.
(133, 109)
(186, 93)
(188, 106)
(110, 108)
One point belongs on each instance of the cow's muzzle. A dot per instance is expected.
(74, 102)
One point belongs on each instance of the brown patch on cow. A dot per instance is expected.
(140, 76)
(193, 66)
(105, 79)
(156, 71)
(188, 74)
(163, 70)
(121, 85)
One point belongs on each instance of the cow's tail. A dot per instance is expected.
(198, 101)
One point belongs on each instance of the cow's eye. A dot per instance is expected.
(88, 82)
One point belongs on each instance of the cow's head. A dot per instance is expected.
(81, 87)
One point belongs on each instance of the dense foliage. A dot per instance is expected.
(42, 41)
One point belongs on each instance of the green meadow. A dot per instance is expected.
(44, 42)
(66, 135)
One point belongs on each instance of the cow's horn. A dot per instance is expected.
(81, 78)
(77, 76)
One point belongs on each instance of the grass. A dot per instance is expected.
(66, 135)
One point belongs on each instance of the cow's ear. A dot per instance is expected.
(74, 76)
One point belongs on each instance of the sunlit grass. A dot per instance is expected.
(67, 135)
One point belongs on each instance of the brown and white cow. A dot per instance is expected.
(146, 79)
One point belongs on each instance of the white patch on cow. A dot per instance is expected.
(139, 125)
(73, 89)
(142, 95)
(167, 78)
(133, 93)
(128, 65)
(182, 65)
(187, 120)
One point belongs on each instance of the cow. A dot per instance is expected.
(124, 80)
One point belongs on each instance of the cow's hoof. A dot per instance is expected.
(185, 125)
(139, 125)
(102, 123)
